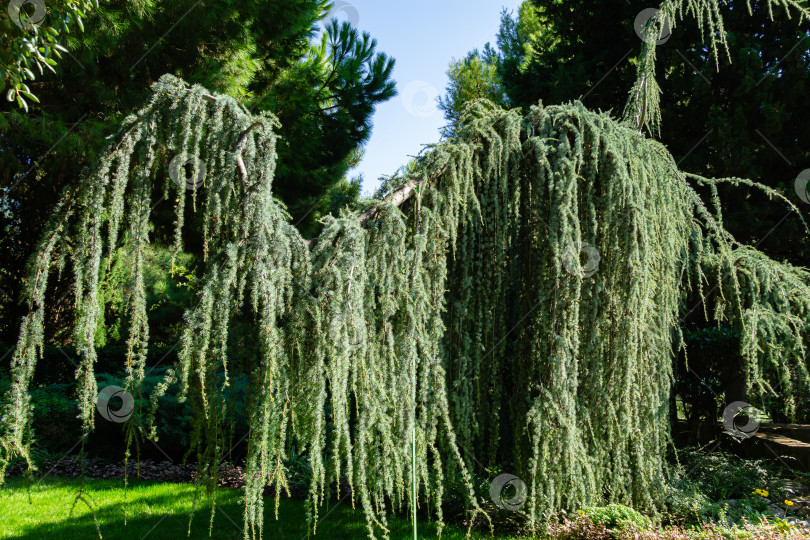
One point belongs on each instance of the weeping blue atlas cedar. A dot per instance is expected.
(460, 313)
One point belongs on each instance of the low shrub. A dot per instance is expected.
(56, 423)
(722, 475)
(685, 502)
(616, 516)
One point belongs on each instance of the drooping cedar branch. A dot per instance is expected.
(397, 197)
(643, 107)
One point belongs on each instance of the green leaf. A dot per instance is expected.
(30, 96)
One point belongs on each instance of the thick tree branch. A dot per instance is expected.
(239, 145)
(397, 197)
(238, 151)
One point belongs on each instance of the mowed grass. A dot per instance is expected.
(158, 511)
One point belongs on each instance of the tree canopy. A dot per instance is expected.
(741, 115)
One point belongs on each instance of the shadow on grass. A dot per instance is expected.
(157, 511)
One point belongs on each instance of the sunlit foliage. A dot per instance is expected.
(460, 327)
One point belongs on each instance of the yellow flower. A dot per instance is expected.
(788, 503)
(761, 492)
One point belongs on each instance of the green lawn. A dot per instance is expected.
(158, 511)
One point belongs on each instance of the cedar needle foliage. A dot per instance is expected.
(643, 107)
(465, 317)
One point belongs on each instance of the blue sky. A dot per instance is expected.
(423, 36)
